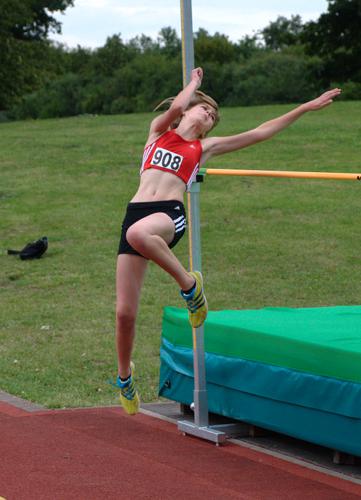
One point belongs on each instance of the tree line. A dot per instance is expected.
(287, 61)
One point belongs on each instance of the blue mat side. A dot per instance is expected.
(247, 403)
(273, 382)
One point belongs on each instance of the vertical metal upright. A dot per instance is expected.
(200, 427)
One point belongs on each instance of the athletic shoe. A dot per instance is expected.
(196, 302)
(129, 397)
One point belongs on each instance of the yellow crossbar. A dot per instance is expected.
(281, 173)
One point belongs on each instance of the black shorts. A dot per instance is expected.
(137, 211)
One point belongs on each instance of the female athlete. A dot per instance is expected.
(155, 218)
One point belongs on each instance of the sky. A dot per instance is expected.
(90, 22)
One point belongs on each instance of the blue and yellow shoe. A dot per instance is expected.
(196, 302)
(128, 396)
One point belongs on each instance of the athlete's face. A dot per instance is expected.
(204, 114)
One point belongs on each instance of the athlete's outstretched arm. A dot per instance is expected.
(219, 145)
(161, 123)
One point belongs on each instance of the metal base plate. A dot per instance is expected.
(216, 433)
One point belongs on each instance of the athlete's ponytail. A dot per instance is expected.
(198, 98)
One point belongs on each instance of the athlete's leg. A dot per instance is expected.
(150, 237)
(129, 280)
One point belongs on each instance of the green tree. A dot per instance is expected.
(283, 33)
(24, 27)
(115, 54)
(169, 42)
(216, 48)
(335, 37)
(31, 19)
(273, 77)
(143, 43)
(248, 46)
(77, 60)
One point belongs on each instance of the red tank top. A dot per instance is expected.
(171, 153)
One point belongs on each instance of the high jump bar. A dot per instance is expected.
(282, 173)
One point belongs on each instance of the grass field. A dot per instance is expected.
(265, 242)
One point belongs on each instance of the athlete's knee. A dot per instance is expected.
(136, 237)
(126, 316)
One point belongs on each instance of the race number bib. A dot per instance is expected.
(166, 159)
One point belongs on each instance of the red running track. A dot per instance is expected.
(102, 453)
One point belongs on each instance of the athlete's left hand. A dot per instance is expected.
(324, 100)
(197, 76)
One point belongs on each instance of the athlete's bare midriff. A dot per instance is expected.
(156, 185)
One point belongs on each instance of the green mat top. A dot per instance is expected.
(325, 341)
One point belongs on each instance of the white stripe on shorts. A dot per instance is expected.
(180, 223)
(180, 226)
